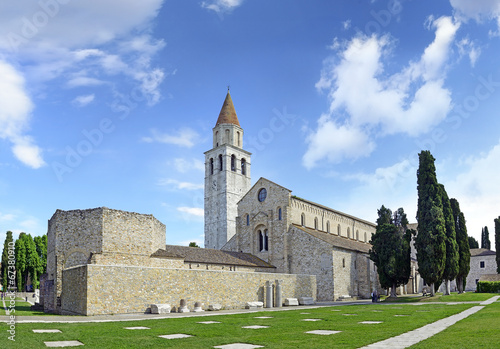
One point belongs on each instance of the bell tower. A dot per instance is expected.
(227, 177)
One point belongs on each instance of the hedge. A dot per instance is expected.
(488, 286)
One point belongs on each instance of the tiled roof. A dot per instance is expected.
(337, 241)
(476, 252)
(227, 114)
(489, 277)
(211, 256)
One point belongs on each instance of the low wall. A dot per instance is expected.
(129, 289)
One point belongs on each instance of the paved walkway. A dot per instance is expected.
(413, 337)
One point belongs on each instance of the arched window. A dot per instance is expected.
(220, 162)
(238, 139)
(327, 226)
(227, 137)
(338, 230)
(279, 213)
(365, 237)
(303, 220)
(348, 232)
(217, 138)
(263, 240)
(233, 163)
(243, 167)
(316, 223)
(357, 235)
(211, 166)
(248, 219)
(266, 241)
(343, 262)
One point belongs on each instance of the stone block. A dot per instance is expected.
(306, 301)
(214, 307)
(254, 305)
(160, 308)
(291, 301)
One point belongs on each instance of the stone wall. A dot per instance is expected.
(475, 272)
(325, 219)
(128, 289)
(75, 237)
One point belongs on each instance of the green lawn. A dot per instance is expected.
(453, 297)
(22, 309)
(286, 330)
(480, 330)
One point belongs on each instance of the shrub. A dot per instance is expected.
(488, 286)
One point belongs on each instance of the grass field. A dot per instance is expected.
(286, 328)
(23, 309)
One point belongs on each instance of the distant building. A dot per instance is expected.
(482, 262)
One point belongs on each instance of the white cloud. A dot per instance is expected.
(184, 137)
(193, 211)
(15, 114)
(468, 48)
(336, 142)
(184, 166)
(476, 189)
(180, 185)
(71, 24)
(367, 103)
(478, 10)
(221, 6)
(82, 101)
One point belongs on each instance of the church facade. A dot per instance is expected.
(295, 235)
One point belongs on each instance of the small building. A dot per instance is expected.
(482, 262)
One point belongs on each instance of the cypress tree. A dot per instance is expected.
(473, 243)
(5, 259)
(451, 265)
(485, 238)
(463, 245)
(391, 249)
(430, 240)
(497, 242)
(20, 251)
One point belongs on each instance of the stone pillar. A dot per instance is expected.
(278, 302)
(269, 295)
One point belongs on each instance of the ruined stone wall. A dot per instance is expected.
(75, 236)
(131, 233)
(129, 289)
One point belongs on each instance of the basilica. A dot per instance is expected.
(266, 220)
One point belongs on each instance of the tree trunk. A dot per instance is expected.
(460, 285)
(433, 292)
(446, 288)
(393, 291)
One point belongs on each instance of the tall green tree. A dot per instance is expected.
(485, 238)
(430, 240)
(33, 262)
(497, 242)
(5, 259)
(21, 265)
(41, 249)
(463, 245)
(473, 243)
(391, 249)
(452, 259)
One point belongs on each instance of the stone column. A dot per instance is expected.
(278, 302)
(269, 295)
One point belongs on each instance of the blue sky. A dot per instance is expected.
(111, 103)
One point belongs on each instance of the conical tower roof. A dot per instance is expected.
(227, 114)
